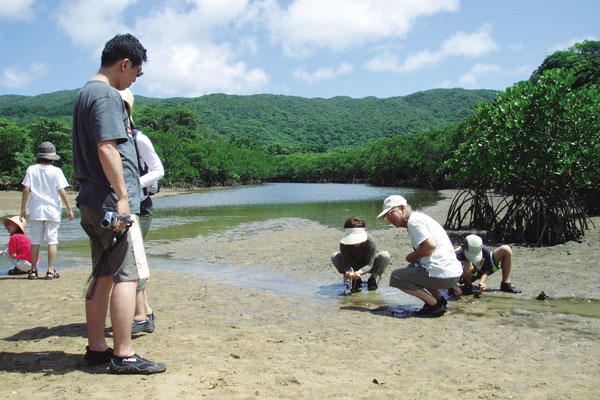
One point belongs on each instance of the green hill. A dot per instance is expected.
(288, 120)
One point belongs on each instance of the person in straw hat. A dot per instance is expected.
(151, 171)
(44, 186)
(359, 255)
(18, 251)
(433, 264)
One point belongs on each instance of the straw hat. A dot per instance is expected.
(20, 222)
(127, 96)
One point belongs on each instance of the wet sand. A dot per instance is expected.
(230, 340)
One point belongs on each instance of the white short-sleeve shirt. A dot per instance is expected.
(442, 263)
(44, 182)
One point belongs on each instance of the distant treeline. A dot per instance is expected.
(438, 138)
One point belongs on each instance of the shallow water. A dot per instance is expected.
(506, 304)
(241, 211)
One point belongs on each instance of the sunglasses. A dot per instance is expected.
(139, 74)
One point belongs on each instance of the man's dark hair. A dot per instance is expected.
(123, 46)
(354, 222)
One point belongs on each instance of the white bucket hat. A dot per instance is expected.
(354, 236)
(472, 247)
(391, 202)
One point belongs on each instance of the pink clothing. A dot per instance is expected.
(21, 245)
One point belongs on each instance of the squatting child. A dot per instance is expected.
(18, 251)
(479, 263)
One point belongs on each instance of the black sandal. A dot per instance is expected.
(16, 271)
(32, 274)
(53, 274)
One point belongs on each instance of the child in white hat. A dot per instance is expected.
(479, 263)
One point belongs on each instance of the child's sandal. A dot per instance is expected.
(53, 274)
(32, 274)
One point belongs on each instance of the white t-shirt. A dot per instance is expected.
(44, 182)
(155, 168)
(442, 263)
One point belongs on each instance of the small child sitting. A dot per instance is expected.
(19, 245)
(479, 263)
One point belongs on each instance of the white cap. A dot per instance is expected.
(472, 248)
(391, 202)
(354, 236)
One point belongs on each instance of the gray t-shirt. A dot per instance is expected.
(100, 115)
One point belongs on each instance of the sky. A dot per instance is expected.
(307, 48)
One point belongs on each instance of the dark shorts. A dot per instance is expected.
(120, 262)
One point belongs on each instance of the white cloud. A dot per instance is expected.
(469, 80)
(91, 23)
(460, 44)
(191, 71)
(21, 10)
(187, 55)
(565, 46)
(308, 25)
(322, 73)
(16, 78)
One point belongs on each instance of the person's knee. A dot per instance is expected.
(504, 252)
(334, 256)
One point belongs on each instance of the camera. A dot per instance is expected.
(110, 219)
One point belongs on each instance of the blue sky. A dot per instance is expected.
(308, 48)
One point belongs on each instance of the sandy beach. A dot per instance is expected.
(232, 341)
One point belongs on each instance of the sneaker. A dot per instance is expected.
(431, 311)
(97, 357)
(143, 326)
(467, 290)
(135, 365)
(372, 284)
(509, 287)
(444, 302)
(356, 285)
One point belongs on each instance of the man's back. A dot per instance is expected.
(99, 115)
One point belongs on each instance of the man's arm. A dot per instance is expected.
(110, 158)
(426, 247)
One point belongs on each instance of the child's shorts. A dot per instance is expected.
(40, 230)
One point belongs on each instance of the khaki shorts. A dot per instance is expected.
(40, 231)
(127, 260)
(415, 277)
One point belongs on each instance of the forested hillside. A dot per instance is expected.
(292, 122)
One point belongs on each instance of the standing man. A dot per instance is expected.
(105, 164)
(433, 264)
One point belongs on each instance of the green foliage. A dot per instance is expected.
(543, 137)
(582, 60)
(15, 153)
(539, 145)
(284, 124)
(57, 132)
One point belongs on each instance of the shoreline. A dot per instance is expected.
(226, 341)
